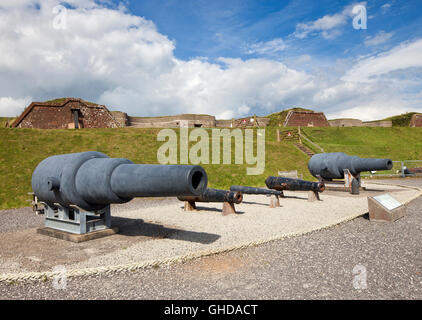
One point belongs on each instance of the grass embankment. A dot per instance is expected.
(401, 120)
(4, 120)
(22, 149)
(396, 143)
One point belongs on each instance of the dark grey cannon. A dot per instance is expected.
(338, 165)
(253, 190)
(332, 165)
(77, 189)
(228, 198)
(274, 194)
(282, 183)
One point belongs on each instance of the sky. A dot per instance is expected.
(232, 58)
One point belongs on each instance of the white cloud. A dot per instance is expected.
(326, 25)
(10, 107)
(329, 26)
(403, 56)
(269, 48)
(196, 86)
(112, 57)
(385, 8)
(244, 109)
(380, 38)
(371, 110)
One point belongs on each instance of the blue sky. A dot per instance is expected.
(219, 28)
(228, 58)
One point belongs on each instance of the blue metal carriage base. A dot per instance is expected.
(76, 220)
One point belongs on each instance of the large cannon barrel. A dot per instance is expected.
(215, 195)
(281, 183)
(91, 180)
(331, 165)
(253, 190)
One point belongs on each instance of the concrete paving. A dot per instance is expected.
(355, 260)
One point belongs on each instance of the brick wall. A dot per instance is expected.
(306, 119)
(382, 123)
(60, 116)
(345, 123)
(416, 120)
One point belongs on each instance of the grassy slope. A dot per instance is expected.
(402, 120)
(3, 121)
(397, 143)
(22, 149)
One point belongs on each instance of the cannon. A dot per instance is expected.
(331, 165)
(274, 194)
(282, 183)
(253, 190)
(229, 198)
(77, 189)
(338, 165)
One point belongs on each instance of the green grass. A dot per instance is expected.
(396, 143)
(3, 121)
(402, 120)
(61, 100)
(22, 149)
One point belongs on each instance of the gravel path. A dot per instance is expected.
(175, 232)
(319, 265)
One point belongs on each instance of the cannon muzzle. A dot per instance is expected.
(253, 190)
(332, 165)
(91, 180)
(281, 183)
(215, 195)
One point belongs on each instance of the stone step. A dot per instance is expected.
(304, 149)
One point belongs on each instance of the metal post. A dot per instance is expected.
(402, 169)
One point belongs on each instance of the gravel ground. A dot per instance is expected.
(177, 233)
(319, 265)
(24, 218)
